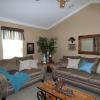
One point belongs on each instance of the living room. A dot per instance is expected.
(80, 18)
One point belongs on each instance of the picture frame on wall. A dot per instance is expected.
(30, 48)
(72, 46)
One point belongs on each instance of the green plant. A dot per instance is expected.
(46, 46)
(42, 44)
(52, 46)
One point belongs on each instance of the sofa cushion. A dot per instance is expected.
(64, 70)
(25, 64)
(14, 60)
(24, 58)
(73, 73)
(95, 79)
(9, 64)
(34, 63)
(63, 63)
(91, 60)
(73, 63)
(28, 64)
(64, 60)
(72, 57)
(33, 72)
(76, 74)
(86, 67)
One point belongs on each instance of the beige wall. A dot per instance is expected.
(31, 35)
(87, 21)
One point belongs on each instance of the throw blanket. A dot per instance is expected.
(17, 80)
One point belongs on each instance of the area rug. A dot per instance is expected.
(30, 93)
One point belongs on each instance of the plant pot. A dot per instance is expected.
(44, 59)
(50, 59)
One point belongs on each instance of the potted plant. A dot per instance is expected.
(47, 47)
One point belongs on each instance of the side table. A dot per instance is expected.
(49, 67)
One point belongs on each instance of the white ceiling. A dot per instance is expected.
(41, 14)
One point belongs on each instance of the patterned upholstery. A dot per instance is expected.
(75, 77)
(3, 86)
(9, 64)
(35, 74)
(95, 79)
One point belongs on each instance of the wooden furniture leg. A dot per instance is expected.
(4, 98)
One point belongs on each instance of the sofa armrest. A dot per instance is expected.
(3, 86)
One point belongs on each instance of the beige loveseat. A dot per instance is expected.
(12, 66)
(76, 77)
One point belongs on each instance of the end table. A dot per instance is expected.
(49, 67)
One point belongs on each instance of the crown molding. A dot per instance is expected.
(21, 23)
(47, 28)
(95, 1)
(77, 10)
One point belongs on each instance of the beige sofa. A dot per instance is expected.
(12, 65)
(76, 77)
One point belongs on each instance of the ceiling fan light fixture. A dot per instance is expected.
(62, 3)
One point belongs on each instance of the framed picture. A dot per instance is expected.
(30, 48)
(71, 46)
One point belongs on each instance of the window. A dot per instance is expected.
(12, 42)
(12, 48)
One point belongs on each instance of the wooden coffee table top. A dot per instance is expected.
(49, 87)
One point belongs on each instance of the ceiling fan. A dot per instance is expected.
(62, 2)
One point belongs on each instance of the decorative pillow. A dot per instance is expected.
(98, 69)
(81, 63)
(86, 67)
(28, 64)
(73, 63)
(24, 65)
(9, 64)
(33, 63)
(24, 58)
(91, 60)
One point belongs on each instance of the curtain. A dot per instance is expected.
(12, 33)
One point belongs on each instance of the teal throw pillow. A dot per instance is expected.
(86, 67)
(81, 63)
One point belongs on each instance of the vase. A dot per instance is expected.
(50, 59)
(44, 59)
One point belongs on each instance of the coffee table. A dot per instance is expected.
(50, 91)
